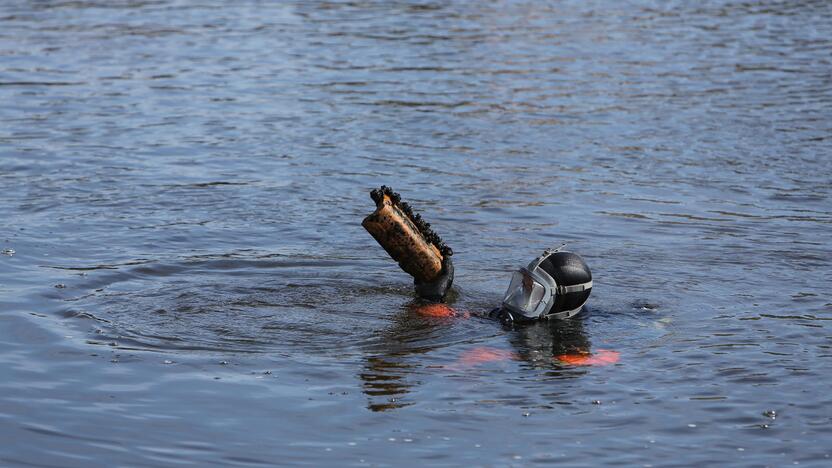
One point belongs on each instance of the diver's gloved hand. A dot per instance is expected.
(505, 317)
(436, 289)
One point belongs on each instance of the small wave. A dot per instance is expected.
(253, 303)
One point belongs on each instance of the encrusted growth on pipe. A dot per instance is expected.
(424, 227)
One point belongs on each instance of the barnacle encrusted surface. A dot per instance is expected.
(423, 226)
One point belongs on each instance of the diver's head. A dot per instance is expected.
(554, 285)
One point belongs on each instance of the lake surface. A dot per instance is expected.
(185, 281)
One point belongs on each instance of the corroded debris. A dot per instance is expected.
(405, 235)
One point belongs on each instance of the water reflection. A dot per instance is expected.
(543, 344)
(386, 370)
(385, 383)
(561, 348)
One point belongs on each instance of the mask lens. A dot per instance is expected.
(524, 293)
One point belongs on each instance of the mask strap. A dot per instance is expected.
(546, 253)
(564, 314)
(566, 290)
(575, 288)
(560, 315)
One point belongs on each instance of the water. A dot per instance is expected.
(184, 277)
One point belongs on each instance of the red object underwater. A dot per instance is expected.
(602, 357)
(436, 310)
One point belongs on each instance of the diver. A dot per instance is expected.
(555, 285)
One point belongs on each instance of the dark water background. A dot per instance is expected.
(185, 280)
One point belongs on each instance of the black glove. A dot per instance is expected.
(436, 289)
(505, 317)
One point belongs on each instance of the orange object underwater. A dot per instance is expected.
(603, 357)
(436, 310)
(482, 355)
